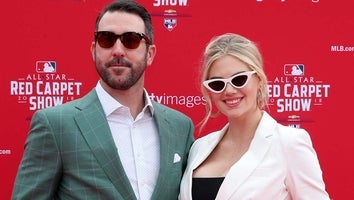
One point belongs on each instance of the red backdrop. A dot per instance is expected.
(316, 36)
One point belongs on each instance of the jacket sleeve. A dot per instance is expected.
(304, 180)
(39, 170)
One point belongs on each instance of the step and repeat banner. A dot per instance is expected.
(46, 61)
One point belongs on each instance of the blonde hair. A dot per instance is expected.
(243, 49)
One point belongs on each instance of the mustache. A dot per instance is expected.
(118, 61)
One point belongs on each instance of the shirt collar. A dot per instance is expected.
(109, 104)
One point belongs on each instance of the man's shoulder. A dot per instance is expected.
(71, 105)
(161, 108)
(165, 108)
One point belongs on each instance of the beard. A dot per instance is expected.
(118, 78)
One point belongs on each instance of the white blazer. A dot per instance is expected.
(280, 164)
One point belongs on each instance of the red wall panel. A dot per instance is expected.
(315, 35)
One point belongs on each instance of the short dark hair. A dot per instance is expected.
(129, 6)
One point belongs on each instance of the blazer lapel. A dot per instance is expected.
(94, 127)
(242, 169)
(204, 150)
(166, 154)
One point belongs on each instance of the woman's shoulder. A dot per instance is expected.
(291, 136)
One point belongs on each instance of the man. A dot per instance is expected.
(115, 142)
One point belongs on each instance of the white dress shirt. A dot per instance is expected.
(137, 142)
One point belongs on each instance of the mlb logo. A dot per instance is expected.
(170, 23)
(46, 66)
(294, 69)
(170, 19)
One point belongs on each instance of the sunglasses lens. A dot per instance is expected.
(217, 85)
(239, 81)
(131, 40)
(106, 39)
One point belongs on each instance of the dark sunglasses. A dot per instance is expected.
(219, 84)
(130, 40)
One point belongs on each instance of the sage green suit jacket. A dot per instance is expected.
(70, 154)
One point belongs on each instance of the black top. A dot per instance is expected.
(206, 188)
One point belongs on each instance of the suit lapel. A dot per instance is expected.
(242, 169)
(166, 154)
(94, 127)
(211, 141)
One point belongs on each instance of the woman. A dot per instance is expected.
(253, 156)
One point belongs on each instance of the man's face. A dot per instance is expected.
(118, 66)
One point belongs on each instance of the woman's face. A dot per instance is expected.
(234, 102)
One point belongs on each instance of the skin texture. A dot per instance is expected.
(240, 107)
(122, 70)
